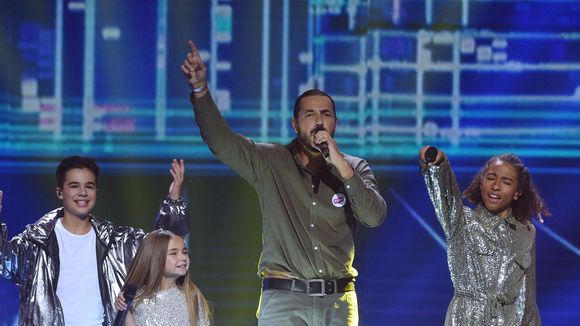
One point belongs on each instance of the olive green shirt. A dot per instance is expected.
(308, 221)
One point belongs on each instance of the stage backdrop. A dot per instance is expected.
(476, 78)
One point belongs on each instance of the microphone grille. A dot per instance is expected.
(431, 154)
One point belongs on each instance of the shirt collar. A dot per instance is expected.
(490, 221)
(293, 147)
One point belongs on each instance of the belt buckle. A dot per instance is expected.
(322, 287)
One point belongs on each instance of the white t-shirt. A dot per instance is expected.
(78, 282)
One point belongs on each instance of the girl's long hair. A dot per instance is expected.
(529, 202)
(148, 267)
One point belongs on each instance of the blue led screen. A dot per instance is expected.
(476, 78)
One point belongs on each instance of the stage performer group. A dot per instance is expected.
(73, 268)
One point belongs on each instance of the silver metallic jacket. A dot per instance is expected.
(491, 260)
(31, 260)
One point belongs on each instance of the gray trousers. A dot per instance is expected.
(285, 308)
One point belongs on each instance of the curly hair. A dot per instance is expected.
(528, 203)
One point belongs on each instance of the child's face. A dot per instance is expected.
(177, 261)
(499, 188)
(78, 193)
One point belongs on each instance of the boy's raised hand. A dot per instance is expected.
(177, 172)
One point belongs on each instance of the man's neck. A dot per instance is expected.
(312, 161)
(76, 225)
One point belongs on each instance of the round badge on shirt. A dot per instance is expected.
(338, 200)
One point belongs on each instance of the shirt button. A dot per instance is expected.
(315, 248)
(312, 226)
(347, 186)
(320, 270)
(313, 203)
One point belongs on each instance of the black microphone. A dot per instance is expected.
(323, 147)
(431, 154)
(128, 294)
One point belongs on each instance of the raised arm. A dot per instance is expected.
(4, 248)
(12, 252)
(233, 149)
(443, 191)
(171, 214)
(195, 71)
(177, 171)
(6, 255)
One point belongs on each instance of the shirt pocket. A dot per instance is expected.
(480, 242)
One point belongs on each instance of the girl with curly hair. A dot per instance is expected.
(490, 248)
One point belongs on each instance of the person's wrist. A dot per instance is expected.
(196, 89)
(346, 171)
(171, 199)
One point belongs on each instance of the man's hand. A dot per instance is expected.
(334, 156)
(195, 71)
(177, 172)
(325, 143)
(0, 200)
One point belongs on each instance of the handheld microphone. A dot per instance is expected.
(323, 147)
(431, 154)
(128, 294)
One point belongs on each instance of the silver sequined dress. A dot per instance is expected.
(166, 308)
(491, 260)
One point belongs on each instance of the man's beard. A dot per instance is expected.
(307, 141)
(310, 147)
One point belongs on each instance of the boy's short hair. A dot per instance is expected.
(75, 162)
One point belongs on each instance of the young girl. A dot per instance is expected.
(165, 293)
(490, 249)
